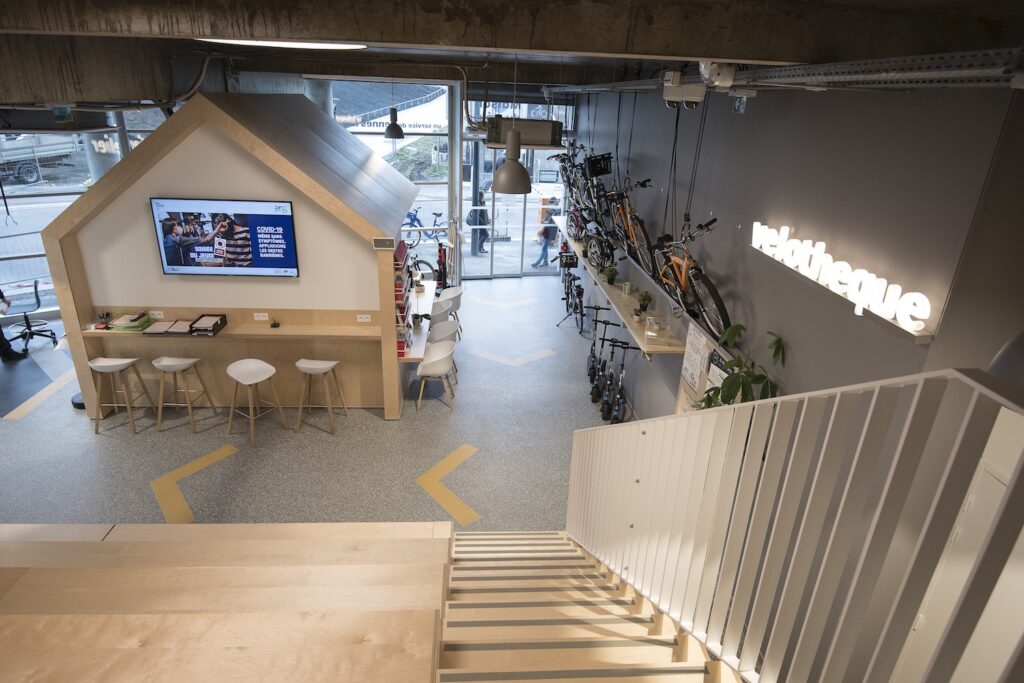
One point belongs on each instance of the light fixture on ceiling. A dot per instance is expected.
(394, 131)
(292, 44)
(512, 177)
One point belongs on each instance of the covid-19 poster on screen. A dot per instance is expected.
(226, 237)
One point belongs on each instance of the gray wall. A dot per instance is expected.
(890, 181)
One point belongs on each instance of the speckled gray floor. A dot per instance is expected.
(520, 417)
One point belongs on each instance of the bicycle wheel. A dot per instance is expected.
(581, 315)
(709, 303)
(427, 271)
(574, 226)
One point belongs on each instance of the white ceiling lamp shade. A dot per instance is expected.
(288, 44)
(512, 177)
(394, 131)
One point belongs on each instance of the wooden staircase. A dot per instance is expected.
(535, 606)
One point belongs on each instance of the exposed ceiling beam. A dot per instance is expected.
(766, 31)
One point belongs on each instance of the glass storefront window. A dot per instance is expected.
(21, 247)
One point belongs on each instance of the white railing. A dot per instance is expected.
(859, 534)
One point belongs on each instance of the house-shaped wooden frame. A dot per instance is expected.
(104, 257)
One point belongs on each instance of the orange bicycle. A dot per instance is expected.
(688, 284)
(628, 231)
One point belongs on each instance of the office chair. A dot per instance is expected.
(31, 328)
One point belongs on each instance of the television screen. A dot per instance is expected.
(225, 237)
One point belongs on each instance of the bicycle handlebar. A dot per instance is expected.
(606, 323)
(597, 308)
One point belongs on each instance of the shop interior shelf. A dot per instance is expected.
(666, 343)
(421, 303)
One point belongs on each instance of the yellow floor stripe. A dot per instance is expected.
(40, 396)
(168, 495)
(509, 360)
(431, 483)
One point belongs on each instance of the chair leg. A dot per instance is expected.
(231, 410)
(330, 401)
(113, 393)
(206, 392)
(188, 402)
(123, 379)
(143, 385)
(174, 394)
(277, 402)
(455, 375)
(252, 415)
(302, 396)
(344, 404)
(423, 383)
(450, 391)
(160, 408)
(99, 402)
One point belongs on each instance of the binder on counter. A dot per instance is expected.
(208, 324)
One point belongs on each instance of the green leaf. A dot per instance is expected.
(730, 387)
(778, 347)
(736, 362)
(732, 335)
(766, 389)
(747, 389)
(758, 378)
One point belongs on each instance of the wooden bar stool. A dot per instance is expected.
(113, 367)
(175, 367)
(324, 368)
(250, 372)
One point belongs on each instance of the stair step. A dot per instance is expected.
(660, 674)
(540, 594)
(509, 656)
(507, 584)
(513, 541)
(458, 629)
(566, 609)
(575, 561)
(529, 573)
(460, 558)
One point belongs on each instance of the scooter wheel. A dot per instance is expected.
(606, 412)
(595, 394)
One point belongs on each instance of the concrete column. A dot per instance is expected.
(319, 91)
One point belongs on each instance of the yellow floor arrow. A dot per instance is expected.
(431, 483)
(509, 360)
(168, 495)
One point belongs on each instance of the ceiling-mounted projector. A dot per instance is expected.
(675, 91)
(533, 132)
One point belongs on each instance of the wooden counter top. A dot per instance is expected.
(261, 330)
(421, 303)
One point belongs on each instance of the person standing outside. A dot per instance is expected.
(478, 218)
(7, 352)
(546, 234)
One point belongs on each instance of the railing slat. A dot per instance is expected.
(686, 452)
(674, 432)
(655, 489)
(692, 514)
(742, 505)
(805, 450)
(730, 476)
(900, 514)
(840, 429)
(706, 517)
(945, 508)
(776, 458)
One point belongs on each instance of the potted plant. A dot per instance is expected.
(644, 298)
(747, 375)
(637, 315)
(610, 273)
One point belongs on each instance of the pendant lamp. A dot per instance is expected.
(512, 177)
(394, 131)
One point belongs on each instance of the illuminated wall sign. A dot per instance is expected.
(867, 291)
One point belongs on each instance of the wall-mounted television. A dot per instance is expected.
(225, 237)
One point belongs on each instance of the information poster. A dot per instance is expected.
(225, 237)
(695, 359)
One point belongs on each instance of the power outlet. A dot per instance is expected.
(362, 318)
(156, 315)
(260, 316)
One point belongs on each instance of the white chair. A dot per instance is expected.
(439, 311)
(324, 368)
(446, 330)
(113, 367)
(437, 364)
(250, 372)
(178, 366)
(453, 294)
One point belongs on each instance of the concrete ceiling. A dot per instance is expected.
(93, 50)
